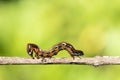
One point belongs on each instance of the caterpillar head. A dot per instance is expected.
(33, 48)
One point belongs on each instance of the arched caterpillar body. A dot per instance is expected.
(53, 51)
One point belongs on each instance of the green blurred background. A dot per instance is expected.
(90, 25)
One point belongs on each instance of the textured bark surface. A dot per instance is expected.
(95, 61)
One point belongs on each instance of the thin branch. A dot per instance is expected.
(95, 61)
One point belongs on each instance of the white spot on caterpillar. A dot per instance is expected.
(29, 53)
(29, 46)
(70, 46)
(40, 49)
(64, 44)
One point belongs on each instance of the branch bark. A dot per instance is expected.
(95, 61)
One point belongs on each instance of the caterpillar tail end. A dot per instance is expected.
(77, 53)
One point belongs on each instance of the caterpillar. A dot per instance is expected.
(39, 53)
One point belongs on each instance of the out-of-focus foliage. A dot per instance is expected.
(90, 25)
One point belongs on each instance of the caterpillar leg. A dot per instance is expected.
(43, 59)
(79, 57)
(37, 56)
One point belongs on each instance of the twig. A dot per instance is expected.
(95, 61)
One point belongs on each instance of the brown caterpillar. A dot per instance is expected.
(53, 51)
